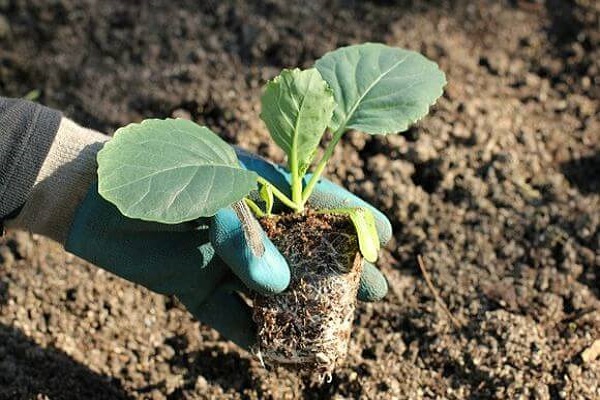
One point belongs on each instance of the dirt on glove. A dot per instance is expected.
(498, 189)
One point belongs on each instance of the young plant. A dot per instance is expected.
(173, 170)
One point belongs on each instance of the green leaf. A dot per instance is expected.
(366, 230)
(380, 89)
(297, 107)
(170, 171)
(266, 193)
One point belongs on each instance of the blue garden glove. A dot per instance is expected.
(207, 262)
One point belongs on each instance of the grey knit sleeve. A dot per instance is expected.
(27, 131)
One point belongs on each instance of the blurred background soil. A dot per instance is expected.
(498, 189)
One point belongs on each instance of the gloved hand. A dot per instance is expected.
(204, 263)
(204, 266)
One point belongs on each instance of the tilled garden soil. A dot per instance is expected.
(498, 190)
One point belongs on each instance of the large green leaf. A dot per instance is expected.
(380, 89)
(170, 171)
(297, 107)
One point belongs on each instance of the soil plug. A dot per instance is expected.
(308, 326)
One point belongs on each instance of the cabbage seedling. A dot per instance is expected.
(173, 170)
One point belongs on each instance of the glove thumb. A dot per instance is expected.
(261, 268)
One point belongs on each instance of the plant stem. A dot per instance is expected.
(254, 207)
(282, 197)
(321, 166)
(296, 182)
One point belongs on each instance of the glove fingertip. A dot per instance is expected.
(266, 274)
(270, 273)
(383, 225)
(373, 286)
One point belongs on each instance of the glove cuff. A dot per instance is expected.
(62, 182)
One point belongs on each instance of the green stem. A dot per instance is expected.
(321, 166)
(296, 182)
(254, 207)
(282, 197)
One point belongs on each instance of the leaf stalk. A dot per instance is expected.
(254, 207)
(321, 165)
(282, 197)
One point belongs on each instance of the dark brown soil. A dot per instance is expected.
(307, 327)
(498, 189)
